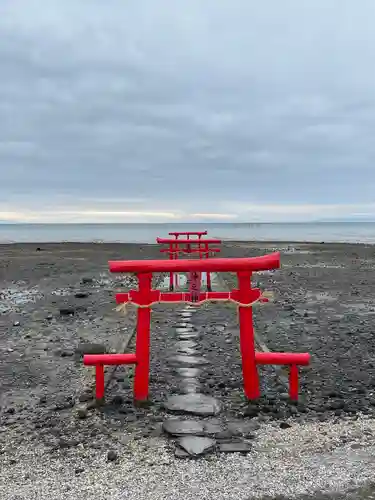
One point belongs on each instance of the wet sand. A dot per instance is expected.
(58, 299)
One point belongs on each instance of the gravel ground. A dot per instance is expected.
(56, 300)
(299, 462)
(324, 305)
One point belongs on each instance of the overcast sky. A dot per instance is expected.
(166, 110)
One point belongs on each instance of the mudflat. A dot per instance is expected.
(57, 302)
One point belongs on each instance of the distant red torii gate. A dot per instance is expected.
(176, 247)
(188, 233)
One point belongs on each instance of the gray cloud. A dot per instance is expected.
(182, 108)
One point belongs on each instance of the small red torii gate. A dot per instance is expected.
(204, 250)
(177, 234)
(245, 296)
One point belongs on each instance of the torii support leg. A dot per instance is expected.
(208, 274)
(142, 346)
(171, 257)
(247, 343)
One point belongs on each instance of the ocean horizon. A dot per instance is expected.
(329, 232)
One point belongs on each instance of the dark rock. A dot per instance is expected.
(112, 456)
(301, 408)
(81, 295)
(284, 396)
(285, 425)
(67, 311)
(90, 348)
(267, 409)
(81, 308)
(183, 427)
(147, 403)
(66, 353)
(117, 400)
(188, 336)
(336, 405)
(82, 413)
(68, 443)
(196, 446)
(63, 405)
(235, 447)
(91, 405)
(251, 411)
(196, 404)
(86, 280)
(85, 396)
(79, 470)
(243, 428)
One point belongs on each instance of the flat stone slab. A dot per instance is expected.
(195, 404)
(182, 359)
(243, 428)
(212, 428)
(188, 372)
(225, 436)
(187, 344)
(236, 447)
(196, 446)
(188, 351)
(189, 385)
(184, 329)
(188, 336)
(183, 427)
(184, 325)
(186, 314)
(180, 453)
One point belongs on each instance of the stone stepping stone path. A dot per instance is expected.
(195, 446)
(196, 438)
(195, 404)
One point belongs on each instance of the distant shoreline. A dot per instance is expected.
(251, 243)
(213, 223)
(142, 233)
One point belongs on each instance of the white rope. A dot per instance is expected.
(186, 299)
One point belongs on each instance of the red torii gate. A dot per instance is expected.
(245, 296)
(177, 234)
(175, 248)
(188, 233)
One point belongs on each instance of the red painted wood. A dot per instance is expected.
(252, 264)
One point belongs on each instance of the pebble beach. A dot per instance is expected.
(57, 303)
